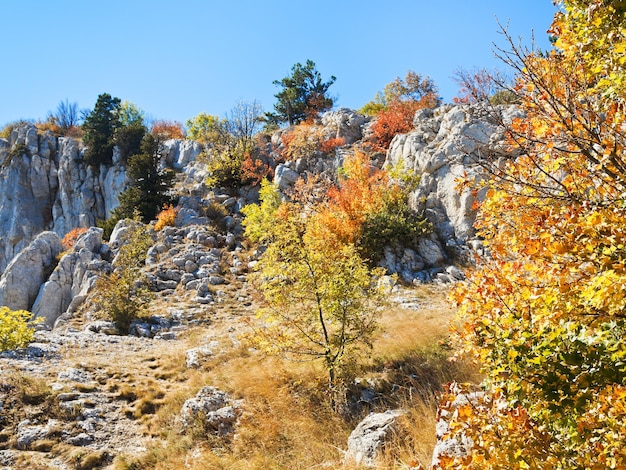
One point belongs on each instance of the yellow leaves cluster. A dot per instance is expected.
(15, 329)
(594, 32)
(545, 310)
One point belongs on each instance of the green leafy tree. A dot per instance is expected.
(414, 88)
(321, 300)
(129, 113)
(226, 141)
(131, 131)
(99, 130)
(303, 96)
(208, 130)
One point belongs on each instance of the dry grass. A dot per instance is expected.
(288, 422)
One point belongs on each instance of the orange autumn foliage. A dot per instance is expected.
(397, 118)
(69, 240)
(167, 217)
(168, 129)
(359, 193)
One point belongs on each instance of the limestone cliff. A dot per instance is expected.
(45, 186)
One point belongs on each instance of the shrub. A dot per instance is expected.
(6, 131)
(165, 130)
(328, 146)
(225, 169)
(301, 141)
(69, 240)
(49, 125)
(123, 296)
(396, 119)
(166, 217)
(504, 97)
(306, 140)
(393, 224)
(15, 330)
(255, 170)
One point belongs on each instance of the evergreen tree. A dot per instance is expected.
(303, 95)
(148, 187)
(99, 131)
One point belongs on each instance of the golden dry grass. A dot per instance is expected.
(288, 422)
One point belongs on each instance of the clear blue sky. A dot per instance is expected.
(175, 59)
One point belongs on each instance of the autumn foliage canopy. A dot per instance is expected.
(544, 313)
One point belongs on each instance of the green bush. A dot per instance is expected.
(225, 169)
(15, 329)
(394, 224)
(504, 97)
(123, 295)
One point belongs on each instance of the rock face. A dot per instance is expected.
(178, 154)
(69, 283)
(369, 436)
(447, 144)
(344, 124)
(23, 277)
(84, 195)
(44, 185)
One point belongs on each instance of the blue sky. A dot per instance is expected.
(175, 59)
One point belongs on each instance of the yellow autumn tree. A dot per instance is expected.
(544, 312)
(321, 300)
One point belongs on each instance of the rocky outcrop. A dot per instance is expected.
(23, 277)
(179, 154)
(344, 124)
(447, 144)
(71, 280)
(28, 183)
(44, 185)
(84, 195)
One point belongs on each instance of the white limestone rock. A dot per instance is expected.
(25, 274)
(72, 276)
(369, 436)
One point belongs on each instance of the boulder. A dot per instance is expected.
(213, 410)
(344, 124)
(369, 436)
(178, 154)
(23, 277)
(285, 177)
(28, 432)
